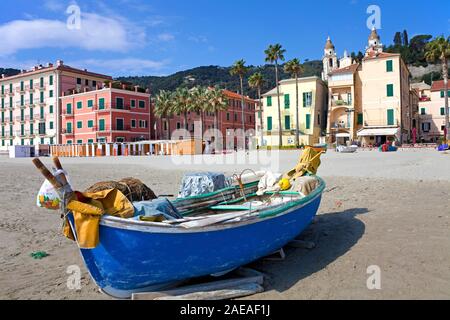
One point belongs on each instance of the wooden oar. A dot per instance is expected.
(61, 176)
(47, 174)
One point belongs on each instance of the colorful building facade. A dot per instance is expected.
(312, 112)
(431, 111)
(106, 115)
(230, 122)
(29, 102)
(370, 101)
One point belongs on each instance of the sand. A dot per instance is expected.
(390, 210)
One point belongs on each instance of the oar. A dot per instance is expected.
(47, 174)
(62, 177)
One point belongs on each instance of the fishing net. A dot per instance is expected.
(133, 189)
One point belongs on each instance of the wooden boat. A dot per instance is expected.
(136, 256)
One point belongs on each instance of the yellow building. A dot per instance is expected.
(370, 101)
(312, 95)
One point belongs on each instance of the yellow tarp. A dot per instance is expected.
(88, 212)
(309, 163)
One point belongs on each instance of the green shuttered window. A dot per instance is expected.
(269, 123)
(390, 90)
(390, 117)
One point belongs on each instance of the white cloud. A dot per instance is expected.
(166, 37)
(96, 33)
(116, 67)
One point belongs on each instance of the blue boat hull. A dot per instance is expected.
(133, 259)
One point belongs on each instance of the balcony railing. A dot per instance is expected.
(29, 88)
(341, 103)
(380, 123)
(110, 107)
(38, 86)
(68, 115)
(39, 102)
(337, 125)
(20, 90)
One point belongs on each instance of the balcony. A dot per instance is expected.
(29, 88)
(341, 103)
(20, 134)
(38, 117)
(5, 120)
(3, 94)
(39, 102)
(20, 90)
(340, 125)
(107, 130)
(114, 107)
(380, 123)
(9, 93)
(68, 115)
(22, 119)
(38, 86)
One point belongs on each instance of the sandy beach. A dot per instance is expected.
(386, 209)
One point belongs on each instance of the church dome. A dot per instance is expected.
(374, 35)
(329, 45)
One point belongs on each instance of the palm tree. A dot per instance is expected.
(273, 54)
(164, 107)
(439, 49)
(294, 68)
(216, 102)
(200, 104)
(183, 104)
(256, 81)
(240, 70)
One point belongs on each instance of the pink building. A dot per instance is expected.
(30, 102)
(229, 120)
(431, 111)
(106, 115)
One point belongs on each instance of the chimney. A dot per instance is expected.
(124, 86)
(59, 63)
(86, 89)
(35, 68)
(110, 85)
(3, 76)
(136, 88)
(49, 65)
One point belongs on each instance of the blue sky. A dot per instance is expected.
(160, 37)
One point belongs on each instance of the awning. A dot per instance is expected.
(343, 135)
(378, 132)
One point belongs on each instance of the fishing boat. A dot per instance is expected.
(206, 234)
(137, 256)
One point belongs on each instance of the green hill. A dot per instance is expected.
(9, 72)
(218, 76)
